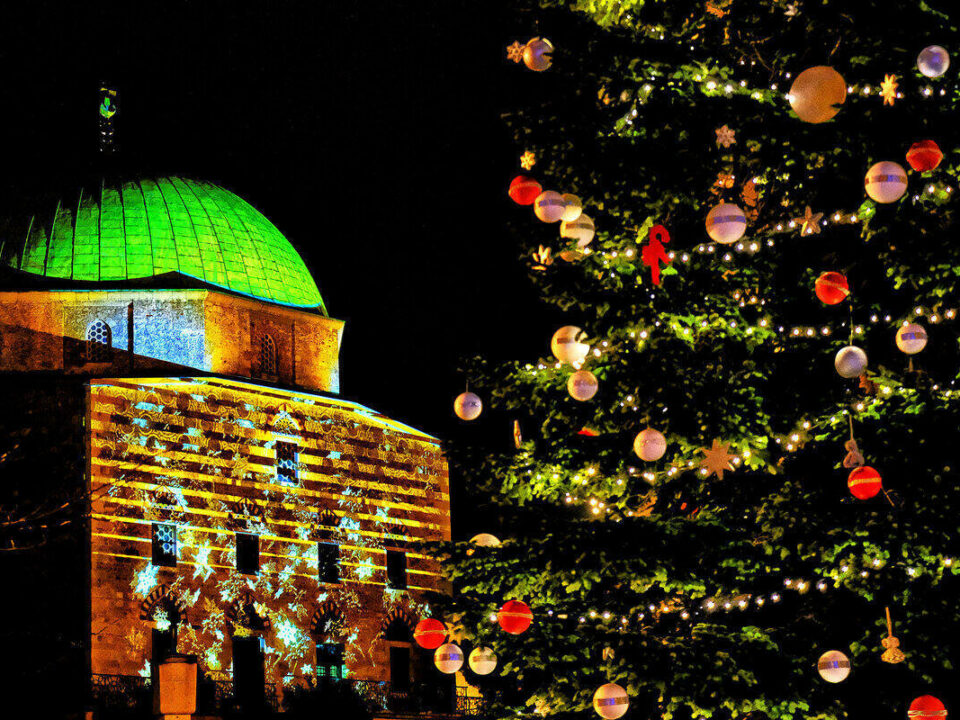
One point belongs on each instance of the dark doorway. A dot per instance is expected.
(248, 680)
(399, 669)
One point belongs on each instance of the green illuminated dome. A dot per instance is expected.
(165, 225)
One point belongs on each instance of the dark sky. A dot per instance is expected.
(368, 132)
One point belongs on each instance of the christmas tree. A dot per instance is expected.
(745, 239)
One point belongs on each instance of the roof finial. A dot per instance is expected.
(108, 108)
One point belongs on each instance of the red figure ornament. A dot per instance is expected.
(653, 253)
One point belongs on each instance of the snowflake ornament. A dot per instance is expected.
(725, 136)
(515, 51)
(528, 160)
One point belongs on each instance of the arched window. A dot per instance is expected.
(268, 356)
(99, 342)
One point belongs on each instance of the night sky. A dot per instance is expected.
(368, 132)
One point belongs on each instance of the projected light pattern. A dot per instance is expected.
(154, 226)
(200, 455)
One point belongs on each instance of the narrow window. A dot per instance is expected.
(99, 342)
(248, 553)
(287, 459)
(328, 565)
(330, 660)
(396, 569)
(164, 545)
(268, 356)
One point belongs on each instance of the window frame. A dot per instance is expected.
(328, 568)
(396, 576)
(160, 556)
(253, 567)
(330, 657)
(290, 475)
(105, 348)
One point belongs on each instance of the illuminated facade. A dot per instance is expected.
(238, 510)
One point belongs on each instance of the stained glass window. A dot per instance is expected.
(287, 460)
(99, 342)
(164, 545)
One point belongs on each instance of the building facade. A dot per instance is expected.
(236, 508)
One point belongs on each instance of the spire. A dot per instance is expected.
(108, 108)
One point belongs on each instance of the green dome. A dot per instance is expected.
(165, 225)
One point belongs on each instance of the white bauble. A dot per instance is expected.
(572, 207)
(467, 406)
(549, 206)
(933, 61)
(850, 362)
(567, 345)
(886, 182)
(482, 660)
(582, 230)
(485, 540)
(726, 223)
(538, 54)
(582, 385)
(911, 338)
(650, 445)
(448, 658)
(611, 701)
(833, 666)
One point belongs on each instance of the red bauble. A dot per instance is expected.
(927, 707)
(514, 617)
(924, 155)
(864, 482)
(524, 190)
(430, 633)
(832, 288)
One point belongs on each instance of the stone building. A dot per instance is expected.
(174, 350)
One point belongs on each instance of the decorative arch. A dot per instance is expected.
(99, 342)
(242, 613)
(163, 597)
(327, 621)
(283, 422)
(398, 626)
(268, 355)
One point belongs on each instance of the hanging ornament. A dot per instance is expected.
(933, 61)
(568, 346)
(864, 482)
(833, 666)
(528, 160)
(832, 288)
(610, 701)
(430, 633)
(484, 540)
(650, 445)
(850, 361)
(582, 385)
(467, 406)
(810, 222)
(888, 89)
(542, 258)
(515, 51)
(867, 385)
(448, 658)
(524, 190)
(482, 660)
(891, 646)
(927, 707)
(588, 431)
(817, 93)
(853, 458)
(725, 136)
(517, 435)
(514, 617)
(886, 182)
(549, 206)
(726, 223)
(538, 54)
(654, 253)
(571, 209)
(716, 459)
(924, 156)
(911, 338)
(581, 229)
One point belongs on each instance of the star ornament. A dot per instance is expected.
(810, 222)
(515, 51)
(528, 160)
(716, 459)
(888, 89)
(725, 136)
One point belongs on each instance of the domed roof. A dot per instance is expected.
(165, 225)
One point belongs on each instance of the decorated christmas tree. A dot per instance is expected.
(742, 452)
